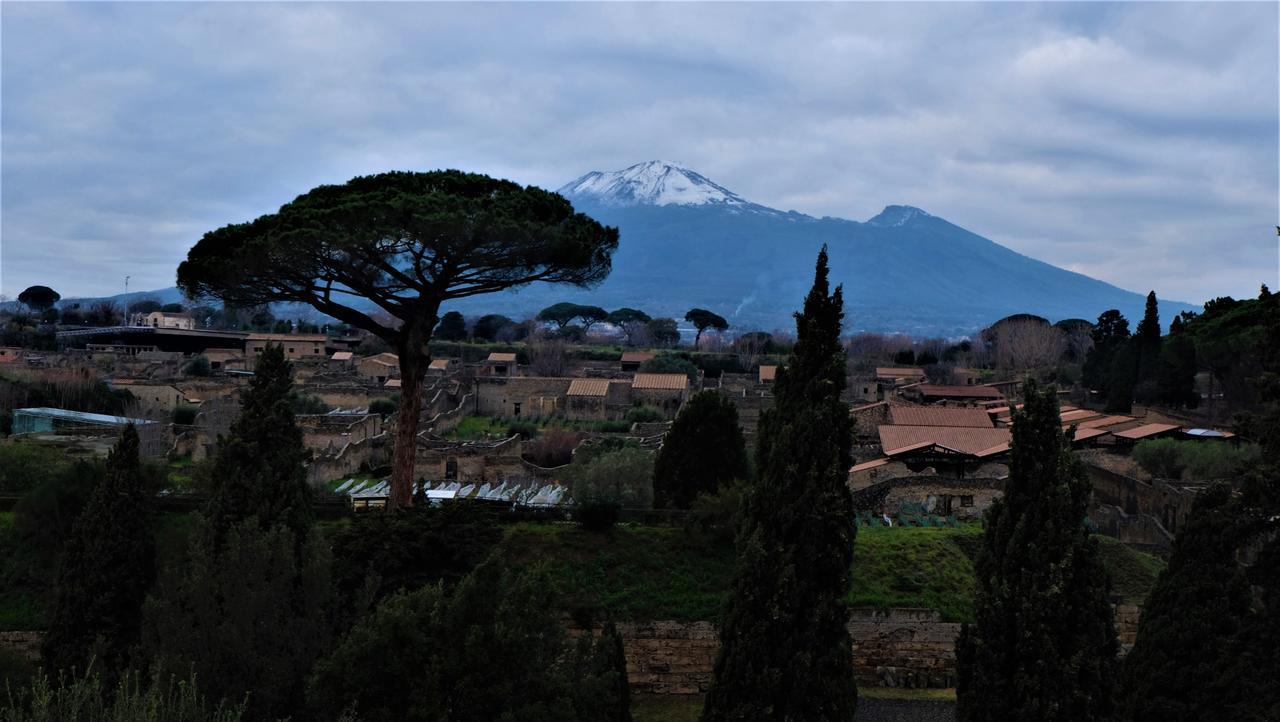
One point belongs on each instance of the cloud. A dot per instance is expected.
(1134, 142)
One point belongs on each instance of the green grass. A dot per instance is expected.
(1133, 573)
(915, 567)
(666, 707)
(631, 572)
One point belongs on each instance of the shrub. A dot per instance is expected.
(384, 406)
(644, 415)
(185, 414)
(669, 363)
(1161, 458)
(89, 699)
(25, 466)
(525, 429)
(198, 366)
(307, 404)
(623, 477)
(715, 515)
(553, 447)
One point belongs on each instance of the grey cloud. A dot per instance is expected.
(1133, 142)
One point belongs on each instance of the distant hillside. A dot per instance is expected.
(687, 242)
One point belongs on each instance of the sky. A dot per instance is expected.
(1135, 143)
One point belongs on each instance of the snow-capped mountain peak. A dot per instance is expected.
(656, 182)
(897, 216)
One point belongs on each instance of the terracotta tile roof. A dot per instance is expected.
(870, 464)
(589, 387)
(967, 392)
(1084, 434)
(341, 356)
(969, 440)
(768, 373)
(636, 357)
(392, 384)
(898, 373)
(669, 382)
(382, 359)
(1077, 415)
(1102, 421)
(1142, 432)
(939, 416)
(864, 407)
(440, 364)
(501, 358)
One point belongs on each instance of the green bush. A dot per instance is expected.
(623, 477)
(384, 406)
(185, 414)
(88, 699)
(669, 363)
(1160, 458)
(308, 404)
(25, 466)
(198, 366)
(644, 415)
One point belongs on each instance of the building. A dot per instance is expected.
(631, 360)
(499, 364)
(378, 369)
(440, 366)
(296, 345)
(767, 374)
(162, 319)
(153, 437)
(152, 395)
(10, 355)
(666, 392)
(341, 360)
(931, 393)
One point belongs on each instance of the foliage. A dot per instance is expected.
(185, 414)
(644, 415)
(553, 447)
(715, 514)
(90, 699)
(410, 549)
(1043, 645)
(491, 650)
(561, 314)
(248, 616)
(198, 366)
(452, 327)
(1197, 460)
(598, 669)
(488, 327)
(623, 477)
(624, 316)
(26, 466)
(703, 450)
(259, 470)
(1190, 627)
(670, 363)
(39, 297)
(307, 404)
(785, 648)
(384, 406)
(663, 332)
(107, 567)
(702, 319)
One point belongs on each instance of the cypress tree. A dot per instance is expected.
(1148, 351)
(1109, 333)
(785, 649)
(703, 450)
(1043, 645)
(107, 568)
(259, 471)
(1179, 669)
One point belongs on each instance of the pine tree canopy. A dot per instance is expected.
(1043, 646)
(785, 649)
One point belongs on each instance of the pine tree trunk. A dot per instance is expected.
(415, 355)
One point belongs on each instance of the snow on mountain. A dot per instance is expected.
(654, 183)
(893, 216)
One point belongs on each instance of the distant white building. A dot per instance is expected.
(161, 319)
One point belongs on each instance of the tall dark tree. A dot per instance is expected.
(1180, 668)
(1109, 334)
(1122, 376)
(1043, 646)
(407, 243)
(488, 326)
(259, 471)
(39, 298)
(629, 320)
(107, 568)
(564, 313)
(1149, 344)
(663, 332)
(1176, 376)
(785, 649)
(702, 319)
(453, 327)
(703, 450)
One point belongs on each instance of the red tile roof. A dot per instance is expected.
(898, 373)
(959, 392)
(1142, 432)
(501, 358)
(636, 357)
(968, 440)
(668, 382)
(870, 464)
(768, 373)
(1102, 421)
(939, 416)
(589, 387)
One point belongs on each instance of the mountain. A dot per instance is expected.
(687, 241)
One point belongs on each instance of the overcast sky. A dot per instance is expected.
(1136, 143)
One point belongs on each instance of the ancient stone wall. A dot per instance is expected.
(966, 499)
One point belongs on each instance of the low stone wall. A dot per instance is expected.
(897, 648)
